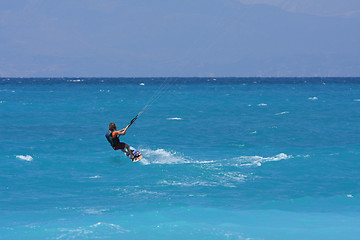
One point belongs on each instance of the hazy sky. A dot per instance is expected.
(342, 8)
(155, 38)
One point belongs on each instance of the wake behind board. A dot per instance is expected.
(136, 153)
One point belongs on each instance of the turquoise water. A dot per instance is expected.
(223, 159)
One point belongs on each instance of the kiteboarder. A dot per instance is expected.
(113, 137)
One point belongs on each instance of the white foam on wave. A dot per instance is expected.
(229, 178)
(239, 177)
(25, 158)
(92, 231)
(262, 104)
(137, 191)
(161, 156)
(174, 118)
(189, 183)
(146, 192)
(313, 98)
(282, 113)
(142, 84)
(356, 100)
(111, 225)
(96, 176)
(258, 160)
(75, 80)
(95, 211)
(205, 162)
(218, 177)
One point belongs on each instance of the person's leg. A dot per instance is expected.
(128, 152)
(125, 148)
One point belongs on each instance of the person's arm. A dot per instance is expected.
(122, 131)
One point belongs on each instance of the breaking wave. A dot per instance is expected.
(25, 158)
(258, 160)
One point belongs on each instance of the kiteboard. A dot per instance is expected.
(136, 153)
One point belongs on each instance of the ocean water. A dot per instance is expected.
(229, 158)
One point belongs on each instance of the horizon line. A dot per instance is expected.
(212, 77)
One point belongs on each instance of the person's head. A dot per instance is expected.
(112, 127)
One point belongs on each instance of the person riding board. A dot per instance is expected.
(113, 137)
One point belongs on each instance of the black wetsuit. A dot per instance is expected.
(114, 141)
